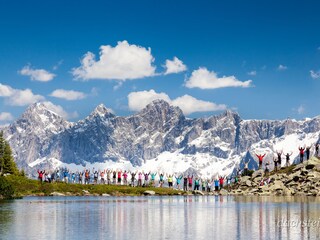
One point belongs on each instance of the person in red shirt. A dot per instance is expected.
(119, 176)
(190, 182)
(221, 180)
(301, 150)
(260, 157)
(40, 175)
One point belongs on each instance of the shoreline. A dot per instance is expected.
(296, 180)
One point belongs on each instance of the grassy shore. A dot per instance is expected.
(24, 187)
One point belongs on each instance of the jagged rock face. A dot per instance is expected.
(31, 136)
(158, 128)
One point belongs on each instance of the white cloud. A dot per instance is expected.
(314, 74)
(174, 66)
(6, 116)
(204, 79)
(282, 67)
(6, 91)
(138, 100)
(60, 111)
(121, 62)
(17, 97)
(37, 74)
(187, 103)
(68, 94)
(252, 73)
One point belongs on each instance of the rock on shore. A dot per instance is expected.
(301, 179)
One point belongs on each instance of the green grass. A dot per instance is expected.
(24, 186)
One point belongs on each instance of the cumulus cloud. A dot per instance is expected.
(187, 103)
(60, 111)
(121, 62)
(37, 74)
(252, 73)
(18, 97)
(314, 74)
(6, 116)
(282, 67)
(204, 79)
(68, 94)
(174, 66)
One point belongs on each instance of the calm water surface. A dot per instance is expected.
(190, 217)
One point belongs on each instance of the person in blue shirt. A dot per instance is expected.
(216, 184)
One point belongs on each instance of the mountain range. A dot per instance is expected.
(158, 138)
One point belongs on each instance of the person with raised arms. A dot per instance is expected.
(260, 158)
(102, 173)
(196, 184)
(125, 178)
(153, 177)
(185, 183)
(190, 182)
(170, 181)
(279, 158)
(287, 155)
(133, 178)
(301, 153)
(161, 179)
(119, 176)
(140, 179)
(146, 178)
(308, 152)
(178, 180)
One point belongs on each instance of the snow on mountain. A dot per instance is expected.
(158, 138)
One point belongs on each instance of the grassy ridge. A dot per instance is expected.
(23, 186)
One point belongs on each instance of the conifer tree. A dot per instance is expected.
(7, 164)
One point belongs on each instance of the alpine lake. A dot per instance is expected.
(165, 217)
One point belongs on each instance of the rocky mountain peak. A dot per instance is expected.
(162, 109)
(103, 111)
(42, 112)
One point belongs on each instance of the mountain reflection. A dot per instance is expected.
(184, 217)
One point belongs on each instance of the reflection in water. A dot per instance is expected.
(184, 217)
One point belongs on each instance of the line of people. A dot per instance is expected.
(139, 179)
(304, 152)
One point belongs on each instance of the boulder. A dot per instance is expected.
(248, 183)
(311, 163)
(277, 185)
(85, 192)
(149, 192)
(313, 175)
(223, 192)
(258, 173)
(288, 191)
(244, 179)
(105, 195)
(298, 167)
(317, 167)
(57, 194)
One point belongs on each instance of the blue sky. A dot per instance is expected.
(259, 59)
